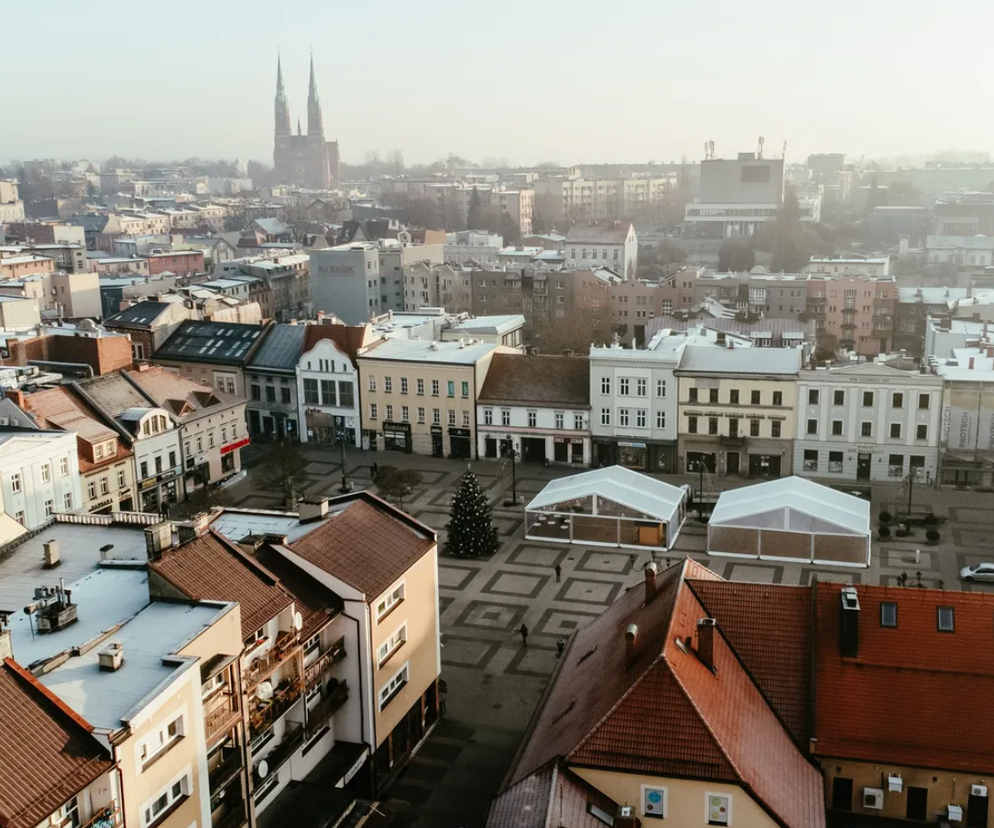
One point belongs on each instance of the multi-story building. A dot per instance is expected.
(605, 199)
(345, 280)
(603, 244)
(39, 475)
(149, 324)
(473, 247)
(537, 406)
(961, 251)
(414, 393)
(178, 262)
(437, 286)
(737, 409)
(635, 302)
(83, 349)
(271, 381)
(854, 312)
(867, 423)
(11, 206)
(283, 287)
(497, 330)
(24, 264)
(914, 306)
(873, 267)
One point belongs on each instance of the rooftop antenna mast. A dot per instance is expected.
(759, 151)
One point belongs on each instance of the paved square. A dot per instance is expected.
(511, 583)
(504, 617)
(467, 652)
(544, 556)
(588, 592)
(451, 576)
(615, 563)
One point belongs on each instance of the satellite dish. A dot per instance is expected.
(265, 691)
(262, 769)
(298, 621)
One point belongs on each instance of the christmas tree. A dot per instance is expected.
(471, 530)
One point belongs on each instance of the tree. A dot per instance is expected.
(791, 245)
(509, 229)
(470, 531)
(903, 194)
(736, 255)
(283, 471)
(396, 484)
(668, 252)
(473, 213)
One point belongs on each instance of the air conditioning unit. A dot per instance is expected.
(954, 813)
(873, 799)
(895, 783)
(978, 790)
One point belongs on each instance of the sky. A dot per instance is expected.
(524, 80)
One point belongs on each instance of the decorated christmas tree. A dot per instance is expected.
(471, 530)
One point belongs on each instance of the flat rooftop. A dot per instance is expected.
(237, 524)
(150, 640)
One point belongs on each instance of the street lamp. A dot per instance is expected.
(346, 486)
(514, 480)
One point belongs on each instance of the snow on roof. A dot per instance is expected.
(793, 504)
(618, 484)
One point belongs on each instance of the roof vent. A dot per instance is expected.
(55, 608)
(111, 657)
(52, 559)
(631, 648)
(705, 642)
(649, 573)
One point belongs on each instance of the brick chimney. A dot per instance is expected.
(631, 648)
(705, 642)
(971, 363)
(649, 574)
(17, 396)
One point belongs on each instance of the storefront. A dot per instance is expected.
(397, 437)
(323, 427)
(650, 456)
(460, 443)
(567, 449)
(158, 491)
(437, 449)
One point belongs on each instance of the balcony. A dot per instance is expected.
(107, 817)
(226, 770)
(334, 654)
(220, 714)
(293, 737)
(335, 698)
(266, 713)
(265, 665)
(234, 816)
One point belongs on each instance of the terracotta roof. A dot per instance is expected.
(348, 338)
(865, 707)
(368, 544)
(553, 796)
(316, 603)
(186, 398)
(46, 755)
(668, 714)
(209, 568)
(769, 627)
(538, 379)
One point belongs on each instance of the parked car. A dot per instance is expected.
(978, 572)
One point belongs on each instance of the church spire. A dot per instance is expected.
(282, 107)
(315, 124)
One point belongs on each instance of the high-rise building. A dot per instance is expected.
(304, 159)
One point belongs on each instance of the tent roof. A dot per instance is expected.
(616, 483)
(793, 504)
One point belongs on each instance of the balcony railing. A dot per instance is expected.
(265, 715)
(107, 817)
(234, 817)
(293, 737)
(265, 665)
(334, 654)
(219, 718)
(227, 770)
(328, 706)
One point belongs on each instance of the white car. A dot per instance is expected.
(978, 572)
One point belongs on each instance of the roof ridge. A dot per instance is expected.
(237, 552)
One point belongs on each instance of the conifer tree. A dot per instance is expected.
(470, 531)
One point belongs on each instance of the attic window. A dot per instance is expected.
(888, 614)
(587, 654)
(563, 712)
(946, 619)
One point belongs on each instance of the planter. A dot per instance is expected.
(884, 531)
(885, 517)
(932, 536)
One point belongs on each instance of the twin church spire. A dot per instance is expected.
(315, 122)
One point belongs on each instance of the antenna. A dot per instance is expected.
(759, 151)
(783, 154)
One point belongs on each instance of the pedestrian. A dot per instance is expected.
(560, 646)
(375, 469)
(559, 573)
(631, 560)
(524, 635)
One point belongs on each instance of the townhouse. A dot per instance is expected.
(271, 382)
(39, 474)
(868, 422)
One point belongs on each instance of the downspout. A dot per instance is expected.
(362, 695)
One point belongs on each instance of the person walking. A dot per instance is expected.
(560, 646)
(559, 573)
(375, 470)
(524, 635)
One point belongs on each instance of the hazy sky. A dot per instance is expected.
(528, 80)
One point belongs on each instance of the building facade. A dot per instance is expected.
(612, 245)
(39, 475)
(270, 377)
(327, 390)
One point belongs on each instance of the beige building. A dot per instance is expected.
(737, 409)
(420, 397)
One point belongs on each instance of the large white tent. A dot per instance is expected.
(791, 519)
(608, 507)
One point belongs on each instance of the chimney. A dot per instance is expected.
(649, 573)
(111, 657)
(705, 642)
(971, 364)
(567, 352)
(194, 528)
(17, 396)
(52, 559)
(310, 510)
(158, 538)
(631, 650)
(849, 623)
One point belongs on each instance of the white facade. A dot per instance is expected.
(473, 246)
(976, 250)
(557, 433)
(345, 281)
(619, 256)
(39, 475)
(867, 422)
(328, 395)
(157, 457)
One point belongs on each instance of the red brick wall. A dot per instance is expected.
(104, 355)
(181, 263)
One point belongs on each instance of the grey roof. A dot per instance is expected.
(418, 350)
(272, 226)
(221, 342)
(932, 295)
(114, 395)
(142, 314)
(780, 328)
(281, 348)
(763, 361)
(605, 233)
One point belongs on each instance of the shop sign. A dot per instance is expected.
(436, 429)
(632, 445)
(236, 445)
(574, 440)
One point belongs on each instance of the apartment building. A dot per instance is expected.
(415, 394)
(345, 281)
(603, 244)
(737, 409)
(854, 312)
(966, 441)
(149, 324)
(868, 423)
(872, 267)
(283, 289)
(600, 199)
(270, 377)
(473, 247)
(11, 206)
(178, 262)
(39, 475)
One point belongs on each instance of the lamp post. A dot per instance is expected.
(346, 486)
(513, 454)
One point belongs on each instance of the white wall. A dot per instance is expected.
(614, 372)
(26, 455)
(310, 367)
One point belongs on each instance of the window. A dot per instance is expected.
(372, 411)
(156, 808)
(640, 418)
(560, 417)
(895, 431)
(389, 413)
(310, 392)
(605, 416)
(775, 427)
(104, 485)
(946, 619)
(660, 419)
(712, 425)
(888, 614)
(623, 386)
(421, 415)
(285, 395)
(897, 400)
(46, 472)
(405, 414)
(810, 460)
(812, 427)
(835, 461)
(692, 425)
(778, 397)
(505, 416)
(450, 387)
(532, 419)
(713, 395)
(753, 427)
(49, 507)
(577, 422)
(661, 388)
(692, 394)
(403, 385)
(623, 416)
(866, 429)
(605, 385)
(921, 432)
(386, 605)
(388, 385)
(923, 401)
(838, 397)
(390, 690)
(895, 465)
(421, 387)
(15, 482)
(391, 645)
(64, 466)
(200, 443)
(161, 740)
(465, 390)
(867, 399)
(210, 441)
(256, 392)
(719, 808)
(837, 428)
(452, 416)
(436, 416)
(488, 416)
(19, 517)
(813, 396)
(754, 398)
(120, 475)
(372, 383)
(640, 388)
(733, 396)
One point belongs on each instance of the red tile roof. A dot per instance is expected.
(769, 627)
(349, 338)
(47, 756)
(912, 695)
(209, 568)
(368, 544)
(668, 714)
(538, 379)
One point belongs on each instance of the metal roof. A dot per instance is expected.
(281, 348)
(197, 341)
(618, 484)
(763, 361)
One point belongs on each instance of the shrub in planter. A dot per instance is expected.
(885, 517)
(884, 531)
(932, 535)
(931, 520)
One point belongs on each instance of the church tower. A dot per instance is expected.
(315, 125)
(282, 106)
